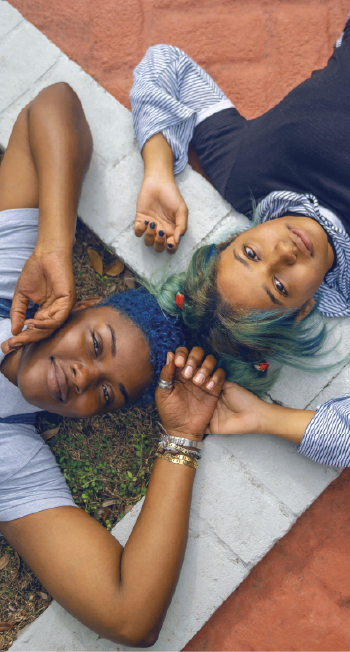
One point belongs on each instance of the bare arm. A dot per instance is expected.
(123, 594)
(161, 213)
(44, 167)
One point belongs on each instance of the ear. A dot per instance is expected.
(305, 310)
(86, 303)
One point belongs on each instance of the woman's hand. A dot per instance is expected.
(46, 279)
(161, 213)
(187, 407)
(238, 411)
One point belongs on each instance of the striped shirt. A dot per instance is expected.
(172, 94)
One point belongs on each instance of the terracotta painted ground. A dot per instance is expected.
(298, 597)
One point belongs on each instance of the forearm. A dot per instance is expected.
(158, 158)
(153, 555)
(283, 422)
(60, 144)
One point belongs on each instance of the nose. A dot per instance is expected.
(285, 252)
(83, 376)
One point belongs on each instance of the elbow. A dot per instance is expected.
(143, 641)
(134, 635)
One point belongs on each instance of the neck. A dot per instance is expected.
(10, 364)
(330, 256)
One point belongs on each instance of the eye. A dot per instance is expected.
(106, 395)
(280, 287)
(95, 344)
(250, 253)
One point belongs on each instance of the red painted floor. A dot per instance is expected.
(298, 597)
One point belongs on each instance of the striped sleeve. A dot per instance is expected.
(169, 94)
(327, 437)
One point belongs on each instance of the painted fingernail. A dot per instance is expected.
(146, 222)
(180, 360)
(170, 246)
(199, 378)
(211, 385)
(161, 233)
(181, 236)
(188, 372)
(152, 225)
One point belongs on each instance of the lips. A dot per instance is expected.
(302, 241)
(57, 381)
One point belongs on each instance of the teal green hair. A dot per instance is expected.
(239, 338)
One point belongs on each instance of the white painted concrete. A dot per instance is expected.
(249, 490)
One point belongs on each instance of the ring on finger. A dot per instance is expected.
(165, 384)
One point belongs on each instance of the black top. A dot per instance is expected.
(302, 144)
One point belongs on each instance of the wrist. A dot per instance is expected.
(45, 246)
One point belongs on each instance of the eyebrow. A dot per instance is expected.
(114, 340)
(241, 260)
(272, 297)
(246, 264)
(124, 392)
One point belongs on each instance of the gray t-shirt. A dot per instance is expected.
(30, 479)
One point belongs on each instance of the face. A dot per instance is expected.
(278, 264)
(96, 363)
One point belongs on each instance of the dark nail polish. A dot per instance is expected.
(161, 233)
(146, 222)
(181, 236)
(152, 225)
(170, 246)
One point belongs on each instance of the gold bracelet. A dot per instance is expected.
(178, 459)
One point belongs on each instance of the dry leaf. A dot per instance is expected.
(96, 261)
(4, 561)
(50, 433)
(43, 595)
(108, 503)
(2, 642)
(114, 268)
(5, 627)
(113, 288)
(129, 279)
(128, 509)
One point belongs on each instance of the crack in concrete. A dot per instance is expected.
(327, 384)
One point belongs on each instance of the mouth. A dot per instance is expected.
(302, 241)
(57, 381)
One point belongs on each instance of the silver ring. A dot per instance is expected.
(165, 384)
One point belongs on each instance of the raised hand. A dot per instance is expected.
(187, 407)
(46, 279)
(161, 214)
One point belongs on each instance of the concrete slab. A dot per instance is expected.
(248, 491)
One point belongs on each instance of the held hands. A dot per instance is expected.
(238, 411)
(187, 406)
(46, 279)
(161, 214)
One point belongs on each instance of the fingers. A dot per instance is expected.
(29, 336)
(18, 312)
(200, 368)
(167, 373)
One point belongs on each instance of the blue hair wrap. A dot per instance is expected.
(162, 331)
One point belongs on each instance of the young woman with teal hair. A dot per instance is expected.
(259, 297)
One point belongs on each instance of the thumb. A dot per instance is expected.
(181, 223)
(18, 312)
(168, 371)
